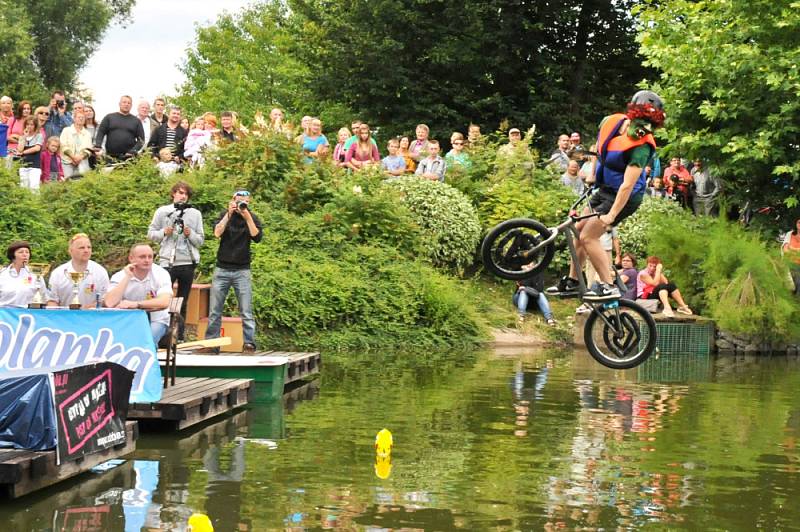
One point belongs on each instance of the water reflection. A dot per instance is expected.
(509, 440)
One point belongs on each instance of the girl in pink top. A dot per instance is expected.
(363, 152)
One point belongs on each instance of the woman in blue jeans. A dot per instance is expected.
(532, 290)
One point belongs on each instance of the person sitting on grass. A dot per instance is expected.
(528, 290)
(651, 283)
(628, 275)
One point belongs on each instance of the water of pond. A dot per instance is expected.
(488, 440)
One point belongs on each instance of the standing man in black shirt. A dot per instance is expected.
(236, 228)
(122, 131)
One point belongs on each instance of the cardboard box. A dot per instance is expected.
(231, 327)
(197, 306)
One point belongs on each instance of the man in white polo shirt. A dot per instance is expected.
(143, 285)
(92, 288)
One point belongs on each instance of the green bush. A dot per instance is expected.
(655, 217)
(27, 215)
(449, 224)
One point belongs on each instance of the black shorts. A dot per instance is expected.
(603, 200)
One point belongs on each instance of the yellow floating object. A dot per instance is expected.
(200, 523)
(383, 443)
(383, 466)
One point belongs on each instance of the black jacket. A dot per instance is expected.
(234, 245)
(158, 140)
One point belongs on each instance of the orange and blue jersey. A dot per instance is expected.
(613, 154)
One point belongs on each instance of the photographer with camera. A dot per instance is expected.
(236, 228)
(57, 117)
(178, 227)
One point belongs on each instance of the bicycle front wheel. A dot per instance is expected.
(620, 335)
(507, 251)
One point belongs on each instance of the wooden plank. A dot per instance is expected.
(187, 395)
(38, 469)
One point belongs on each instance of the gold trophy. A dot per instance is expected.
(76, 278)
(38, 270)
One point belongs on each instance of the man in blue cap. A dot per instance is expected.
(236, 228)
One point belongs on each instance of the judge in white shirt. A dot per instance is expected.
(94, 285)
(17, 283)
(143, 285)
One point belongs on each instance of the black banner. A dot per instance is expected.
(91, 407)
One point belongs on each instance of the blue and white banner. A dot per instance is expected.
(54, 337)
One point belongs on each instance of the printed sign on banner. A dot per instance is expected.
(91, 408)
(51, 337)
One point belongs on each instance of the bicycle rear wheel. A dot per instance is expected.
(620, 335)
(507, 250)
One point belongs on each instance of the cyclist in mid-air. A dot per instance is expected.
(625, 146)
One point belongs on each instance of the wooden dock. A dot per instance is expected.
(22, 471)
(299, 365)
(192, 400)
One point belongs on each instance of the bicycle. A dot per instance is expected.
(618, 334)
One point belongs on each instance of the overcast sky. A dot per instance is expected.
(142, 58)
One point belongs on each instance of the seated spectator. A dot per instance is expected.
(419, 147)
(651, 283)
(628, 275)
(76, 147)
(457, 156)
(91, 289)
(706, 189)
(142, 285)
(411, 164)
(166, 163)
(560, 157)
(432, 167)
(514, 140)
(50, 163)
(17, 125)
(394, 164)
(791, 250)
(339, 151)
(315, 144)
(532, 290)
(677, 181)
(571, 178)
(362, 153)
(17, 285)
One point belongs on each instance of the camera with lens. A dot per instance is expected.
(241, 205)
(180, 208)
(61, 104)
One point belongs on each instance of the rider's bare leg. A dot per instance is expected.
(575, 270)
(590, 242)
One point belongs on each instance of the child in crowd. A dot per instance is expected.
(393, 164)
(50, 164)
(432, 167)
(196, 140)
(166, 164)
(411, 164)
(29, 150)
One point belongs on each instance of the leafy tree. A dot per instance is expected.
(244, 62)
(19, 74)
(67, 32)
(731, 83)
(436, 62)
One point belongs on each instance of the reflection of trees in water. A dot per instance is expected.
(615, 424)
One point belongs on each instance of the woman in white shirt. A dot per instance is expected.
(76, 147)
(17, 284)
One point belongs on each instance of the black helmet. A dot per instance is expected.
(648, 97)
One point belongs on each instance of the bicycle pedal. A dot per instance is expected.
(610, 305)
